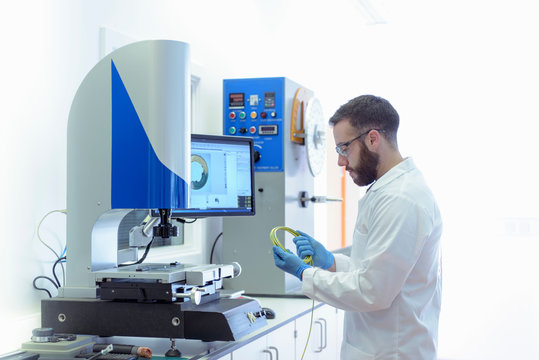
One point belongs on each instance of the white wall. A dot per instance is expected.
(462, 74)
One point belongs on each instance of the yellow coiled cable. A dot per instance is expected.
(275, 241)
(307, 260)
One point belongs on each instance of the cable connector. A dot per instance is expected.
(105, 351)
(252, 317)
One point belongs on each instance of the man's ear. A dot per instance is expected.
(372, 140)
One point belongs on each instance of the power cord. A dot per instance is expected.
(59, 258)
(213, 246)
(307, 260)
(141, 260)
(55, 282)
(63, 211)
(43, 289)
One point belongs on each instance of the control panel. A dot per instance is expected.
(256, 108)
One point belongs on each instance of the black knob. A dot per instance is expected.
(242, 130)
(257, 155)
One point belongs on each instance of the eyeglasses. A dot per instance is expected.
(342, 148)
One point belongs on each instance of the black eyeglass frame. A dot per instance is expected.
(342, 147)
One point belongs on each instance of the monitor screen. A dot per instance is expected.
(222, 177)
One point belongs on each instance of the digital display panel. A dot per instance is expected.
(236, 100)
(269, 99)
(268, 129)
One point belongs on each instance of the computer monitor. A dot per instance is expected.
(222, 177)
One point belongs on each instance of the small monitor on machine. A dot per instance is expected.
(222, 177)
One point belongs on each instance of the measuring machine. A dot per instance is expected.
(287, 125)
(130, 150)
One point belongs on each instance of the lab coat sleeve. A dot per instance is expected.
(342, 262)
(397, 231)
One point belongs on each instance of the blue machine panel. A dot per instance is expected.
(138, 179)
(256, 108)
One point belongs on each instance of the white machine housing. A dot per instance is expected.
(115, 164)
(283, 175)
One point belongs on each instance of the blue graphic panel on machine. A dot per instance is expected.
(255, 108)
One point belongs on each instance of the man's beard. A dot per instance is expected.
(367, 170)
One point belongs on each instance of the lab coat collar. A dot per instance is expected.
(396, 171)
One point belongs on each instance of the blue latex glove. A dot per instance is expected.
(306, 245)
(288, 262)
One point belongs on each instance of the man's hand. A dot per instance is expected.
(306, 245)
(289, 262)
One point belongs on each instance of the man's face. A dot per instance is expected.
(360, 162)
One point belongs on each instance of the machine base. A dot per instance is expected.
(219, 320)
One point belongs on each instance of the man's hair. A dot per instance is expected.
(369, 112)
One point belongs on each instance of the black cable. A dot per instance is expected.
(183, 221)
(213, 246)
(143, 255)
(43, 289)
(54, 270)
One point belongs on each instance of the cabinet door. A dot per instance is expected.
(281, 342)
(310, 350)
(255, 350)
(323, 341)
(328, 319)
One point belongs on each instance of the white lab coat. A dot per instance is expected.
(390, 286)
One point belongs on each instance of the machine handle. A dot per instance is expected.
(269, 352)
(321, 347)
(323, 199)
(236, 269)
(304, 199)
(195, 295)
(276, 352)
(325, 333)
